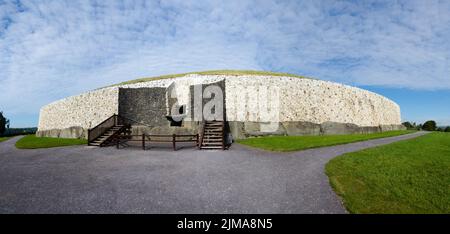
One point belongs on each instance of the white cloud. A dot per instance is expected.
(53, 49)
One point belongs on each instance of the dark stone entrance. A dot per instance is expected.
(144, 105)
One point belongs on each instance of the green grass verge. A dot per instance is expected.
(4, 138)
(33, 142)
(215, 72)
(411, 176)
(293, 143)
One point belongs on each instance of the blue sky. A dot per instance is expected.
(53, 49)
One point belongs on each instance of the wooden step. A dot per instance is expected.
(213, 135)
(212, 138)
(106, 136)
(98, 139)
(219, 141)
(211, 143)
(211, 147)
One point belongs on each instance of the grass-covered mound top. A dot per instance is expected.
(215, 72)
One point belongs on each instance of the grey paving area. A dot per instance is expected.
(82, 179)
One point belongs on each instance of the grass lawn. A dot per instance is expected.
(411, 176)
(4, 138)
(293, 143)
(33, 142)
(215, 72)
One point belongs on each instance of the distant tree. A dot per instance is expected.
(419, 127)
(408, 125)
(447, 129)
(430, 125)
(3, 123)
(440, 129)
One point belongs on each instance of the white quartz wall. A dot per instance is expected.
(308, 100)
(85, 110)
(299, 100)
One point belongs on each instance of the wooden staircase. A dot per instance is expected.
(213, 136)
(106, 138)
(104, 134)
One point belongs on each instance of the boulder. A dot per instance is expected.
(295, 128)
(392, 127)
(333, 128)
(72, 132)
(237, 130)
(139, 130)
(370, 129)
(168, 130)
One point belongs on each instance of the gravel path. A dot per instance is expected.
(83, 179)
